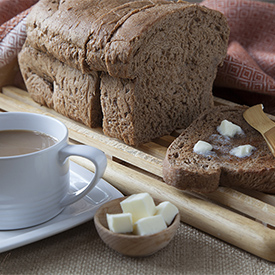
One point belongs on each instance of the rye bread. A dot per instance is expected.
(60, 87)
(167, 74)
(187, 170)
(157, 59)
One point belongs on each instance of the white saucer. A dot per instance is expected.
(73, 215)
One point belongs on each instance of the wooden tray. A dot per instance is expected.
(241, 218)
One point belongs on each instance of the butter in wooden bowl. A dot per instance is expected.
(137, 225)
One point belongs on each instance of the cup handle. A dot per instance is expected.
(94, 155)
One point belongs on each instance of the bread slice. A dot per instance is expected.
(188, 170)
(58, 86)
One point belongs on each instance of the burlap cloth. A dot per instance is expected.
(80, 250)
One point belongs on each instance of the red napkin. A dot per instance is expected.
(12, 36)
(249, 67)
(248, 73)
(12, 29)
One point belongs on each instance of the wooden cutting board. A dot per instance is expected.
(241, 218)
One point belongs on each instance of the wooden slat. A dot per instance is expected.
(220, 101)
(245, 204)
(267, 198)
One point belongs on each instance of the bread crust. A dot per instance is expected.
(102, 35)
(63, 28)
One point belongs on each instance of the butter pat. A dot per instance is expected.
(120, 223)
(242, 151)
(139, 205)
(202, 147)
(149, 225)
(229, 129)
(168, 211)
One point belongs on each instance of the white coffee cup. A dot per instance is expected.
(34, 187)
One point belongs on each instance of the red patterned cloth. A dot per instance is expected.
(12, 29)
(250, 62)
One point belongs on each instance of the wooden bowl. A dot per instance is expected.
(130, 244)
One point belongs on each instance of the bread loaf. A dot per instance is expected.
(185, 169)
(157, 59)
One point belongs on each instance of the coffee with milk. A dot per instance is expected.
(20, 142)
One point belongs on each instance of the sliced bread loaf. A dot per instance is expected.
(188, 170)
(159, 58)
(58, 86)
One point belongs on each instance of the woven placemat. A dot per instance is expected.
(81, 251)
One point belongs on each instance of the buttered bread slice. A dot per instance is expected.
(241, 159)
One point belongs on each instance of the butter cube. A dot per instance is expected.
(229, 129)
(149, 225)
(242, 151)
(139, 205)
(120, 223)
(167, 210)
(202, 147)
